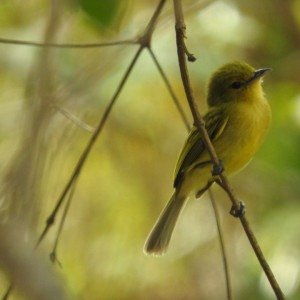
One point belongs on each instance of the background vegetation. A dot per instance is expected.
(128, 176)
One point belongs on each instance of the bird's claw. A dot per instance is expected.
(238, 212)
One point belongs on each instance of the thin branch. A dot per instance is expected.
(216, 214)
(88, 147)
(99, 128)
(186, 123)
(73, 46)
(170, 89)
(222, 244)
(199, 122)
(53, 254)
(145, 39)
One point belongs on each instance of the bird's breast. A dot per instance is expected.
(244, 133)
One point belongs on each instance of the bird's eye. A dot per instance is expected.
(236, 85)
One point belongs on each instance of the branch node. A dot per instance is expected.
(145, 40)
(180, 28)
(191, 57)
(217, 169)
(239, 211)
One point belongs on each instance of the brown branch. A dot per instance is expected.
(222, 244)
(170, 89)
(199, 122)
(186, 123)
(213, 202)
(99, 128)
(53, 254)
(144, 40)
(88, 148)
(216, 214)
(73, 46)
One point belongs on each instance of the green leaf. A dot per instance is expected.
(102, 11)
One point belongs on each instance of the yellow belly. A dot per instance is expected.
(247, 127)
(241, 138)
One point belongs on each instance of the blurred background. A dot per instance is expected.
(51, 99)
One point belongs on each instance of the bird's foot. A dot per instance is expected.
(238, 212)
(217, 169)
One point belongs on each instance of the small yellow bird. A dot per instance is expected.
(237, 120)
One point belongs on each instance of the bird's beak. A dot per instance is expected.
(258, 74)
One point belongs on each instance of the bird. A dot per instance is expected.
(237, 121)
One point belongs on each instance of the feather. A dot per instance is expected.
(215, 122)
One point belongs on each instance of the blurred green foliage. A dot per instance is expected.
(128, 176)
(103, 12)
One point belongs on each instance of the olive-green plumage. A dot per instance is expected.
(237, 121)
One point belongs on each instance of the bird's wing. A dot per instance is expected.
(215, 122)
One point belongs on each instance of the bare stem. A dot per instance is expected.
(170, 89)
(222, 244)
(145, 39)
(53, 254)
(150, 27)
(74, 46)
(88, 148)
(186, 123)
(199, 122)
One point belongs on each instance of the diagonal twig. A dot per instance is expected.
(170, 89)
(53, 254)
(99, 128)
(216, 214)
(88, 148)
(73, 46)
(199, 122)
(185, 121)
(222, 244)
(145, 41)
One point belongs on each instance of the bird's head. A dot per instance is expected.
(236, 81)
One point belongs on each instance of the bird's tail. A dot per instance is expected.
(159, 237)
